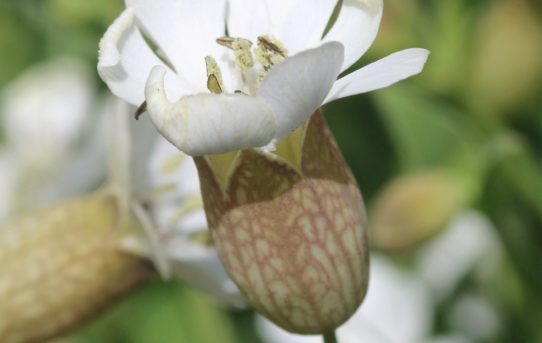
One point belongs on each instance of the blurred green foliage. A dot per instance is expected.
(163, 312)
(475, 113)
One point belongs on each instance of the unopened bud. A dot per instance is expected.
(60, 266)
(412, 209)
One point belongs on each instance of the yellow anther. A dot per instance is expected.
(241, 49)
(214, 75)
(225, 41)
(213, 85)
(270, 51)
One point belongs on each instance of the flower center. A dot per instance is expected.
(269, 51)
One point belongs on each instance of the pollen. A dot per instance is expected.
(270, 51)
(241, 49)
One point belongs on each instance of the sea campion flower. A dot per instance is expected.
(247, 78)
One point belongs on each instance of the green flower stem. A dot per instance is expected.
(330, 337)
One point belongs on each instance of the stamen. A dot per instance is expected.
(214, 75)
(270, 51)
(241, 49)
(225, 41)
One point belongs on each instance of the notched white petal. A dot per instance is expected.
(296, 87)
(122, 35)
(205, 124)
(380, 74)
(109, 55)
(125, 61)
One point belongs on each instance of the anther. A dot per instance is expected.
(270, 51)
(273, 45)
(241, 49)
(213, 85)
(214, 75)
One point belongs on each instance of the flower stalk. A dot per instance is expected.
(330, 337)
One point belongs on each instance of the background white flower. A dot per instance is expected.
(53, 147)
(177, 209)
(60, 132)
(469, 242)
(245, 113)
(161, 186)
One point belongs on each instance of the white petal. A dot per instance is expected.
(296, 87)
(248, 19)
(209, 123)
(145, 135)
(152, 247)
(469, 241)
(173, 172)
(186, 31)
(396, 298)
(304, 24)
(125, 61)
(380, 74)
(356, 27)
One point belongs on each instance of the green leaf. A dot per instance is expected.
(162, 312)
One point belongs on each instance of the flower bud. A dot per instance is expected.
(60, 266)
(413, 208)
(292, 236)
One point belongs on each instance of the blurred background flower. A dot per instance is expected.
(450, 164)
(52, 134)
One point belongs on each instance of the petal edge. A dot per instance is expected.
(380, 74)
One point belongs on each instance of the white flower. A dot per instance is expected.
(470, 242)
(278, 72)
(177, 209)
(161, 186)
(52, 138)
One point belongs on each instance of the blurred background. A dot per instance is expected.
(449, 162)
